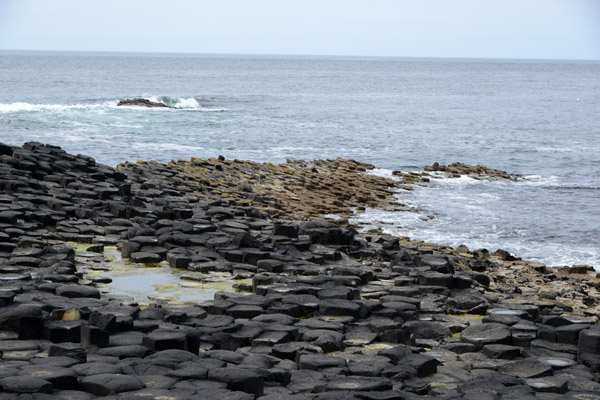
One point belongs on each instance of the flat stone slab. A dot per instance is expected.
(105, 384)
(361, 384)
(527, 368)
(484, 334)
(59, 377)
(238, 379)
(25, 384)
(549, 384)
(75, 291)
(145, 257)
(320, 361)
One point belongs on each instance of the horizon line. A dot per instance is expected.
(298, 55)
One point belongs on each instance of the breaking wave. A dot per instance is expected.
(183, 103)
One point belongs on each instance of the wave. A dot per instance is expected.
(183, 103)
(166, 146)
(22, 106)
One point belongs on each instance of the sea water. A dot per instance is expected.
(532, 117)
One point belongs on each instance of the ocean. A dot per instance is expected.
(531, 117)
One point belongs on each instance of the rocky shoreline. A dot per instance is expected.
(327, 312)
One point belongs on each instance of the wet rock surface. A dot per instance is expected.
(320, 312)
(141, 102)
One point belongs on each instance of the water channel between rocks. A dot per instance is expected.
(147, 283)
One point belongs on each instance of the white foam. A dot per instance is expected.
(21, 106)
(382, 173)
(184, 103)
(166, 146)
(189, 102)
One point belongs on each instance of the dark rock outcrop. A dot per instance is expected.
(141, 102)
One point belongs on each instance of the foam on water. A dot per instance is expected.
(166, 146)
(184, 103)
(28, 107)
(480, 214)
(180, 103)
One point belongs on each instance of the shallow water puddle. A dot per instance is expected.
(148, 282)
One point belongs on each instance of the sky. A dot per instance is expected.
(535, 29)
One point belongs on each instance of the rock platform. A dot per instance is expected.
(330, 313)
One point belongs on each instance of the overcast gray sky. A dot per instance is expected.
(557, 29)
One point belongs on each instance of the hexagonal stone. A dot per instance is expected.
(484, 334)
(557, 363)
(145, 257)
(424, 365)
(17, 345)
(25, 384)
(245, 311)
(75, 291)
(173, 356)
(68, 349)
(96, 368)
(158, 341)
(528, 368)
(589, 342)
(319, 361)
(361, 384)
(25, 319)
(105, 384)
(434, 279)
(60, 378)
(62, 331)
(549, 384)
(125, 351)
(271, 338)
(427, 329)
(338, 307)
(238, 379)
(501, 351)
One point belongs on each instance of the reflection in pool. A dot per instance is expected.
(151, 282)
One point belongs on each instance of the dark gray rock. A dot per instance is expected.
(145, 257)
(337, 307)
(67, 349)
(25, 384)
(60, 378)
(141, 102)
(361, 384)
(528, 368)
(484, 334)
(105, 384)
(165, 340)
(589, 342)
(549, 384)
(501, 351)
(430, 278)
(125, 351)
(238, 379)
(25, 319)
(319, 361)
(76, 291)
(427, 329)
(96, 368)
(62, 331)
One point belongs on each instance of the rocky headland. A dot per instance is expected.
(321, 311)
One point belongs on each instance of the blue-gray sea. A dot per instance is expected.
(537, 118)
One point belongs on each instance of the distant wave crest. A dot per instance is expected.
(21, 106)
(184, 103)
